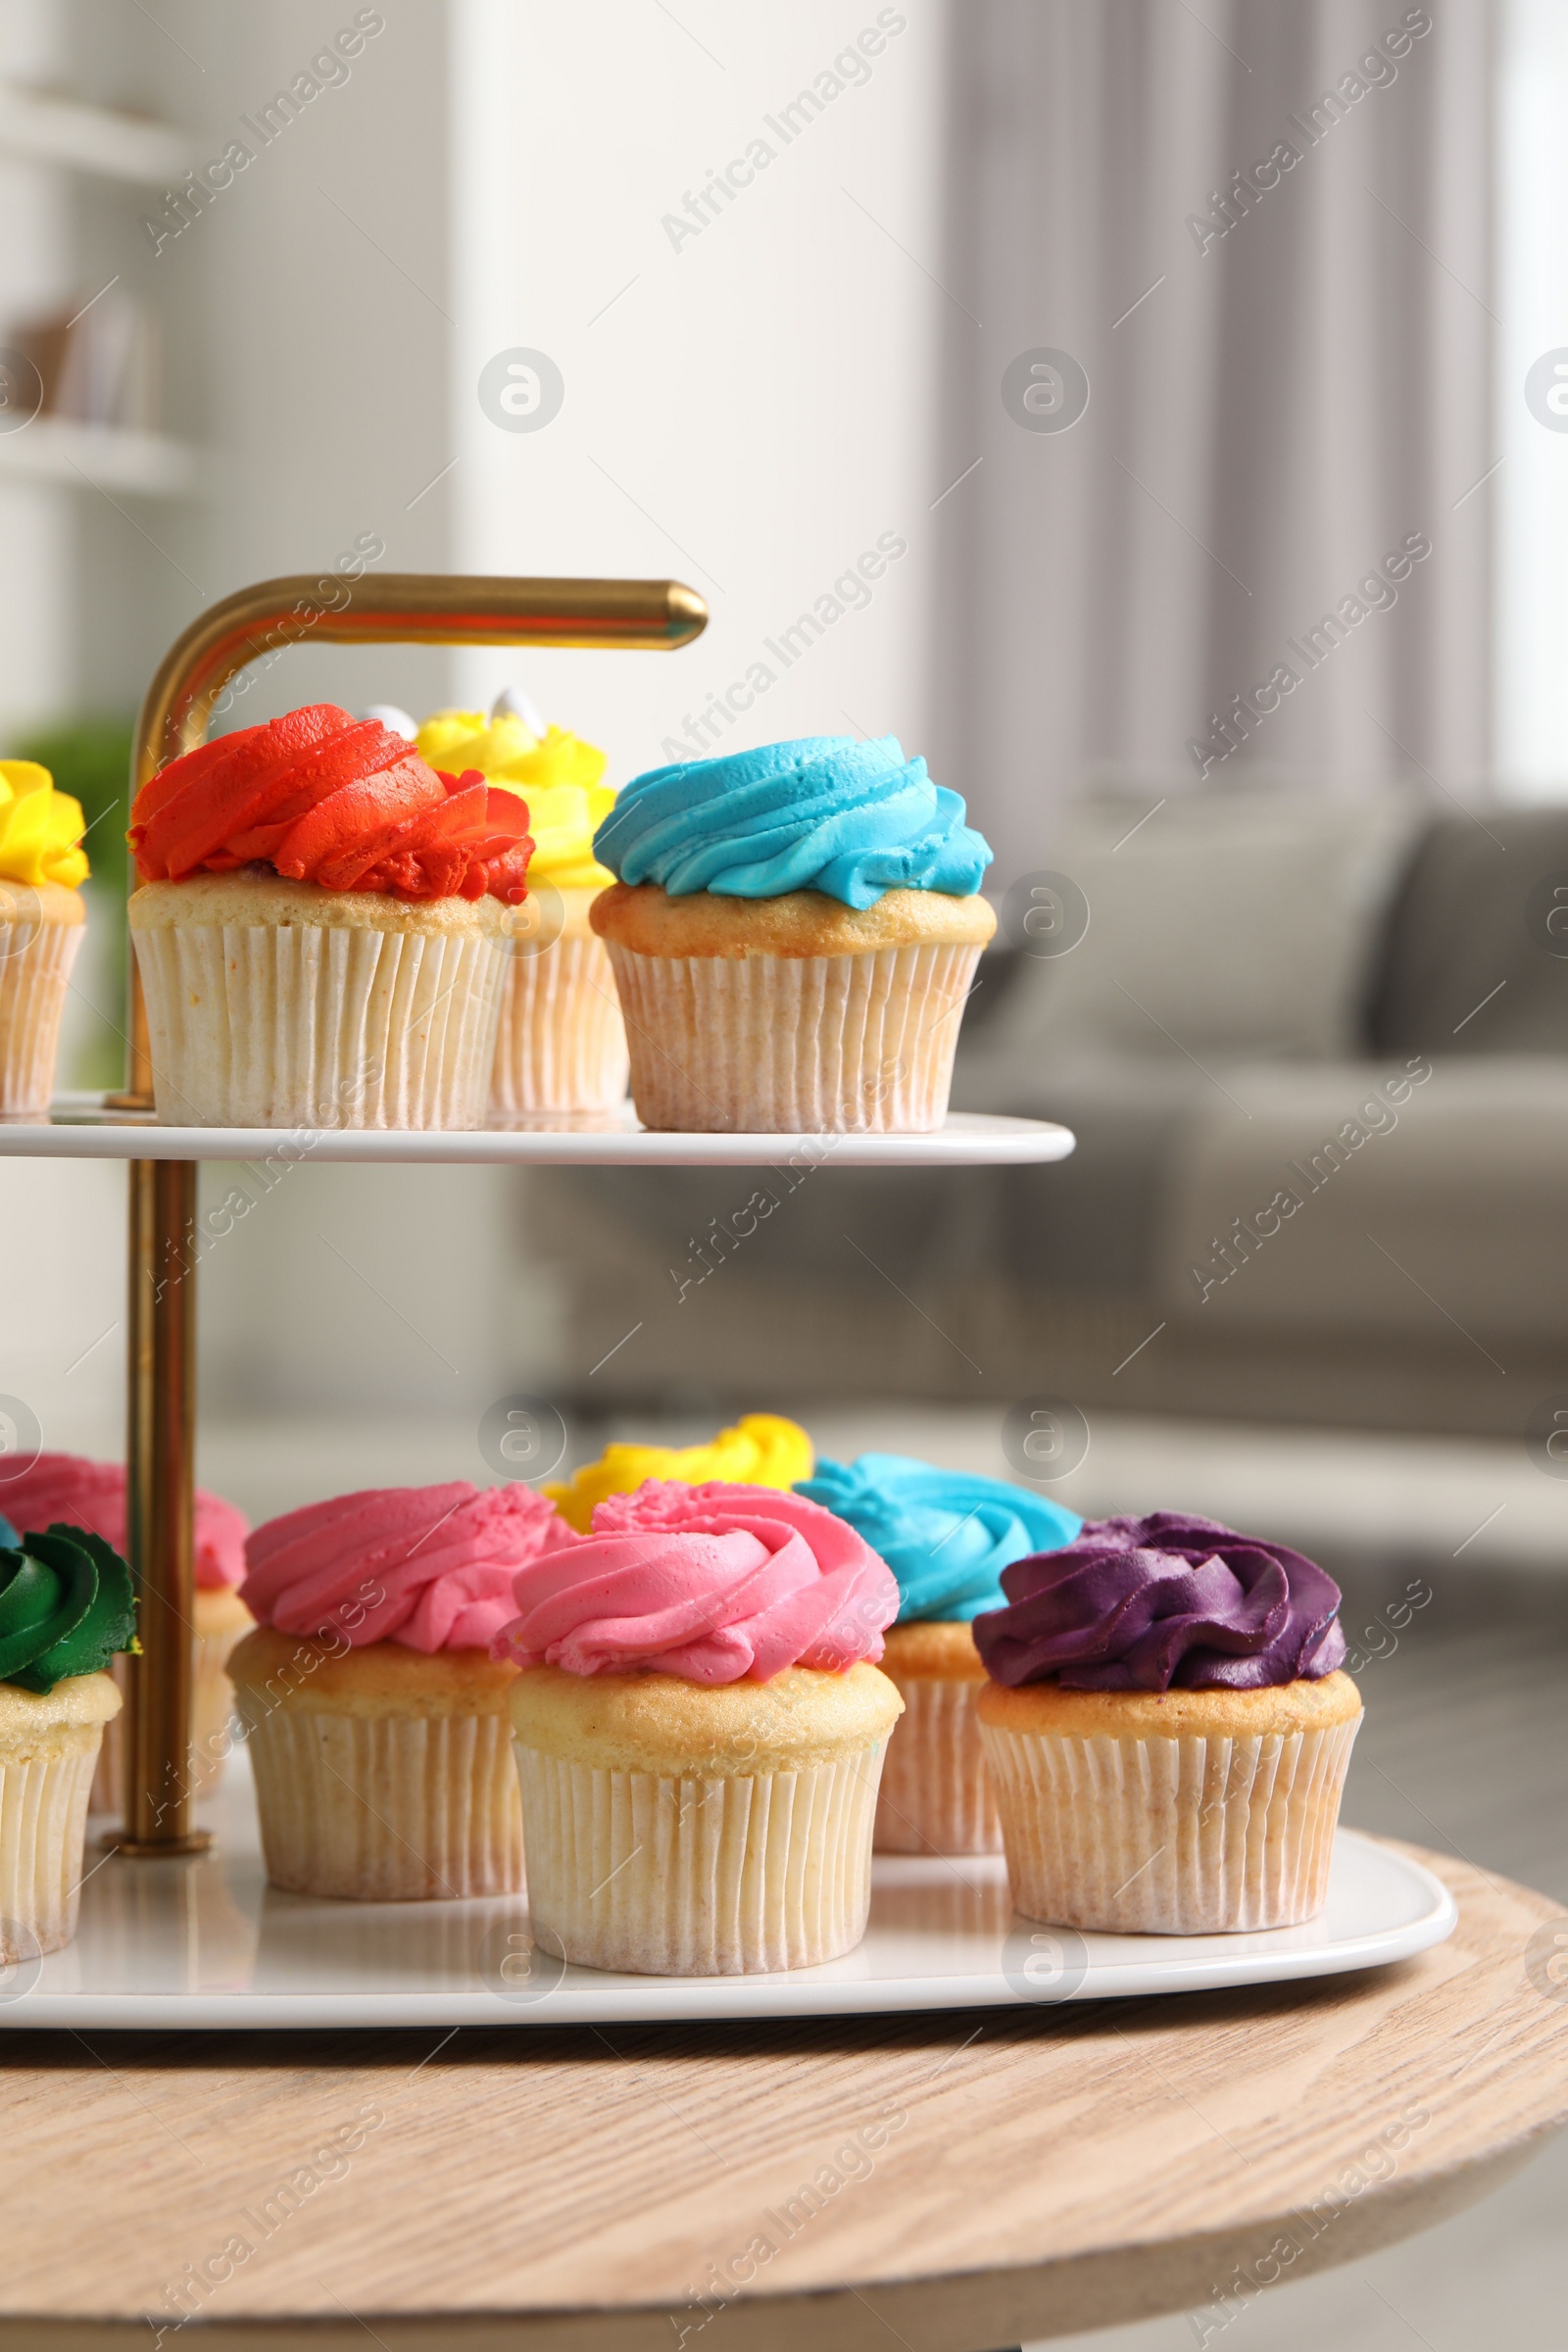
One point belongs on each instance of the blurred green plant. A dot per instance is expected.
(89, 756)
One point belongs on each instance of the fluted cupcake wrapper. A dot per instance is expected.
(935, 1797)
(561, 1043)
(317, 1025)
(1188, 1836)
(43, 1830)
(780, 1045)
(212, 1706)
(384, 1808)
(35, 961)
(699, 1878)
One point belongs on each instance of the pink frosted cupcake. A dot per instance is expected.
(67, 1489)
(375, 1715)
(700, 1729)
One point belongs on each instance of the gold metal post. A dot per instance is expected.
(386, 608)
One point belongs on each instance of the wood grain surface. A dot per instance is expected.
(944, 2183)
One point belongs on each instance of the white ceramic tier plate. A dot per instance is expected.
(208, 1943)
(80, 1129)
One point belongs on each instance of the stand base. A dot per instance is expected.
(154, 1849)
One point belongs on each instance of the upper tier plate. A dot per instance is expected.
(82, 1129)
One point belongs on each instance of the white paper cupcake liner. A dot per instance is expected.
(1189, 1837)
(936, 1797)
(561, 1043)
(699, 1878)
(780, 1045)
(384, 1808)
(211, 1708)
(43, 1829)
(318, 1025)
(35, 961)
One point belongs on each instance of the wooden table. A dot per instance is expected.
(942, 2182)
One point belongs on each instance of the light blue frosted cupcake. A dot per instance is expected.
(946, 1537)
(792, 933)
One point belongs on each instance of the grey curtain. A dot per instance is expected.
(1288, 367)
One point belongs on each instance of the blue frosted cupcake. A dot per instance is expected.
(946, 1537)
(792, 933)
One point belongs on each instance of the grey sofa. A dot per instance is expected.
(1315, 1053)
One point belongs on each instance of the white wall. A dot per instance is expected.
(754, 405)
(1531, 485)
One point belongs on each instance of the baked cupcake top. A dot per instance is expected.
(762, 1449)
(68, 1488)
(40, 829)
(714, 1583)
(947, 1536)
(346, 804)
(67, 1607)
(827, 812)
(1170, 1601)
(559, 774)
(428, 1566)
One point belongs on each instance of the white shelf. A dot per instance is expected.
(55, 449)
(96, 139)
(208, 1943)
(82, 1129)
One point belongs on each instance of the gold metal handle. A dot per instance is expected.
(399, 608)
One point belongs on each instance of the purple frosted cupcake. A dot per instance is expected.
(1167, 1729)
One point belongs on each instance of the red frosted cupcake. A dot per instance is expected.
(322, 928)
(66, 1489)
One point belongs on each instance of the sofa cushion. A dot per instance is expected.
(1466, 966)
(1237, 923)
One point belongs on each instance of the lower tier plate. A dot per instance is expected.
(208, 1943)
(81, 1128)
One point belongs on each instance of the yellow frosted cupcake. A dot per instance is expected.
(42, 864)
(762, 1449)
(794, 933)
(700, 1732)
(66, 1611)
(1166, 1729)
(561, 1045)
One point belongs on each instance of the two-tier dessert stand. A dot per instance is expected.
(941, 1934)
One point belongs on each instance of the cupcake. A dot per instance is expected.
(700, 1729)
(792, 933)
(375, 1715)
(69, 1489)
(66, 1611)
(42, 920)
(562, 1044)
(946, 1537)
(322, 928)
(762, 1449)
(1166, 1729)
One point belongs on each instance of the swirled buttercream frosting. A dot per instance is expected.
(68, 1487)
(1166, 1602)
(344, 803)
(40, 829)
(67, 1607)
(946, 1536)
(762, 1449)
(428, 1566)
(556, 773)
(847, 818)
(716, 1584)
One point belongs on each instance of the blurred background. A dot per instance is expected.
(1200, 373)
